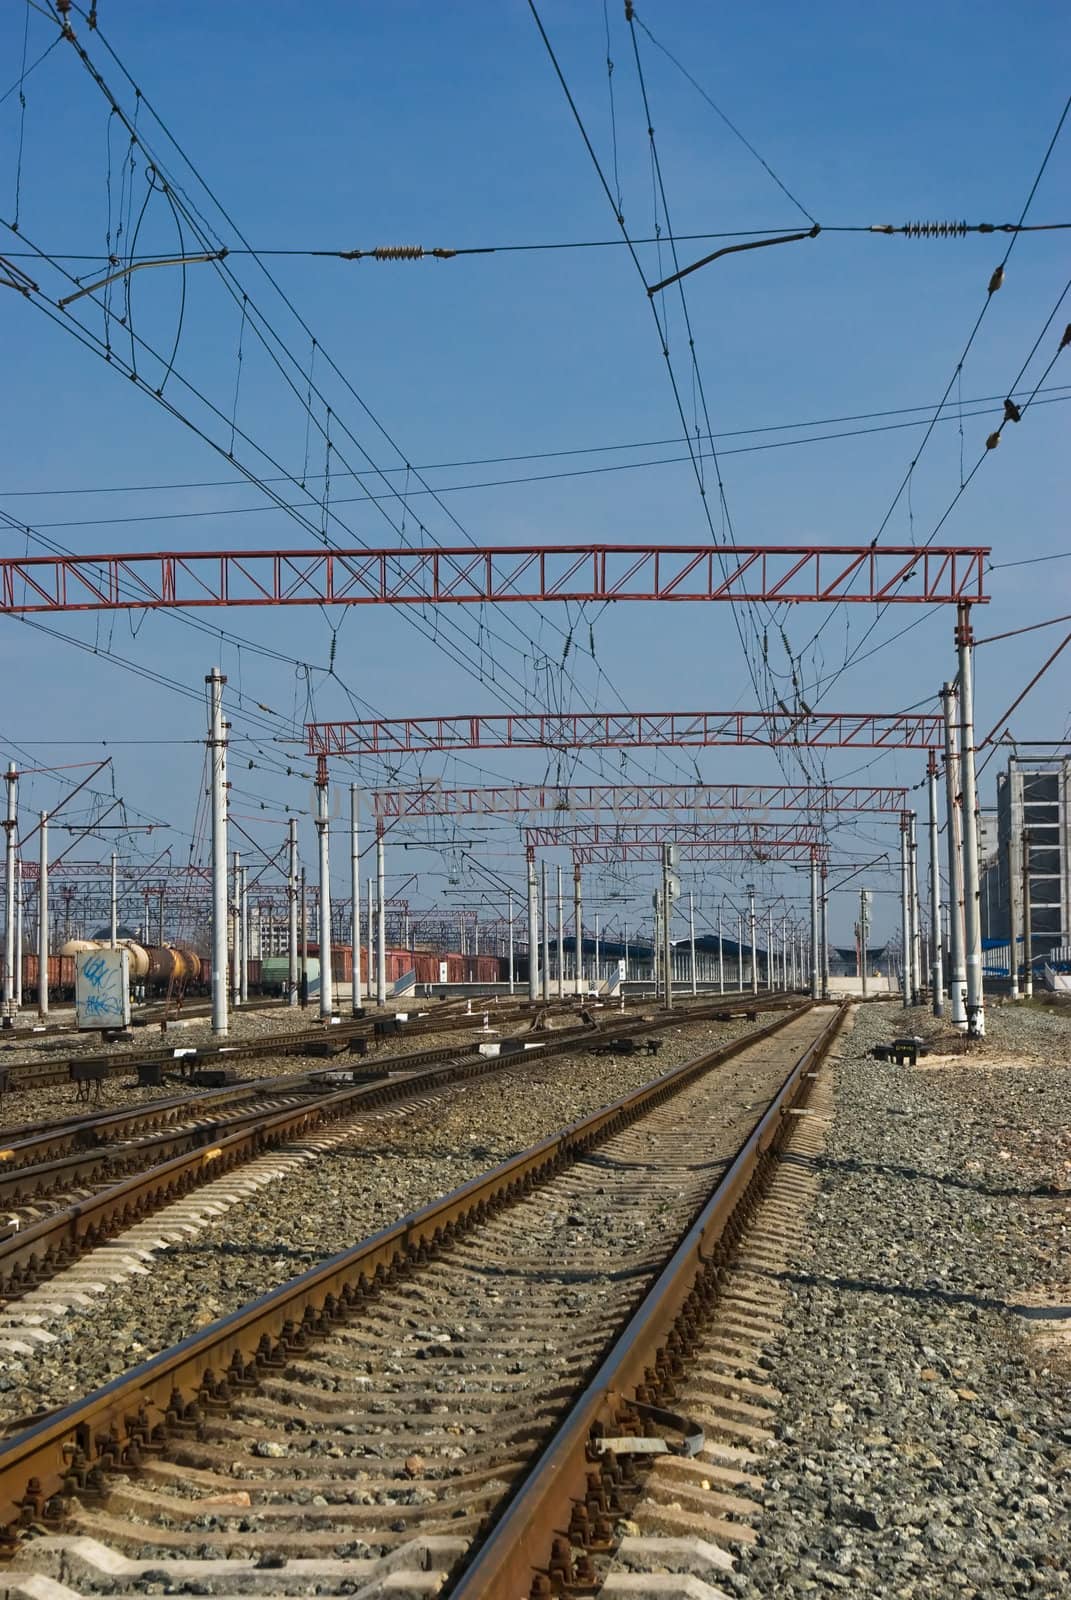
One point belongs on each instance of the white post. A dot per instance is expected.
(546, 932)
(243, 913)
(292, 914)
(691, 938)
(936, 974)
(815, 964)
(597, 950)
(906, 964)
(739, 952)
(957, 978)
(217, 747)
(355, 897)
(972, 906)
(11, 778)
(113, 933)
(916, 920)
(370, 949)
(42, 921)
(381, 917)
(533, 929)
(561, 938)
(236, 930)
(511, 943)
(721, 957)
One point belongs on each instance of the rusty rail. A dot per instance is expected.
(569, 1499)
(67, 1451)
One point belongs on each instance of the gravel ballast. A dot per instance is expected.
(924, 1436)
(397, 1159)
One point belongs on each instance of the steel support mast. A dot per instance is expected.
(217, 755)
(972, 902)
(957, 979)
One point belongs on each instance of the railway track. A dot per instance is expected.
(62, 1199)
(365, 1428)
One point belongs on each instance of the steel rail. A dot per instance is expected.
(69, 1449)
(530, 1549)
(35, 1254)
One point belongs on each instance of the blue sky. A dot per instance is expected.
(350, 126)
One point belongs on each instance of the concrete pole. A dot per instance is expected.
(691, 938)
(510, 905)
(323, 841)
(824, 908)
(1028, 944)
(957, 977)
(936, 964)
(751, 935)
(533, 930)
(18, 945)
(546, 931)
(667, 942)
(42, 921)
(972, 905)
(381, 918)
(771, 981)
(815, 960)
(721, 957)
(916, 909)
(11, 778)
(561, 939)
(370, 956)
(113, 930)
(236, 930)
(243, 913)
(626, 951)
(864, 934)
(1014, 869)
(217, 755)
(597, 980)
(303, 980)
(906, 965)
(578, 927)
(739, 953)
(355, 897)
(292, 995)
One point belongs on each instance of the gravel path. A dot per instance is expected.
(925, 1442)
(398, 1159)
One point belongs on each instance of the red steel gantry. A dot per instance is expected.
(610, 799)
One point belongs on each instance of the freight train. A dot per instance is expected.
(170, 970)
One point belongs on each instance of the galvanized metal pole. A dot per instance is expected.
(578, 924)
(217, 755)
(292, 914)
(381, 917)
(597, 980)
(770, 980)
(824, 907)
(113, 929)
(936, 964)
(815, 962)
(751, 935)
(691, 938)
(546, 932)
(510, 904)
(561, 939)
(864, 934)
(626, 952)
(533, 929)
(11, 778)
(42, 921)
(1028, 940)
(18, 944)
(739, 952)
(972, 904)
(355, 897)
(721, 957)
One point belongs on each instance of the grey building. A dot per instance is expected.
(1033, 812)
